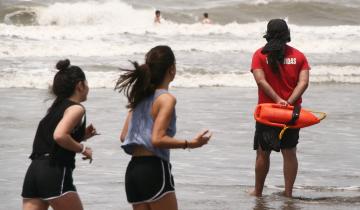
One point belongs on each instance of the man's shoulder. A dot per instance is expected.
(293, 51)
(258, 52)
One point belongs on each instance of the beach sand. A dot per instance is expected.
(216, 176)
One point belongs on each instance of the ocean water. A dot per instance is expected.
(101, 36)
(213, 78)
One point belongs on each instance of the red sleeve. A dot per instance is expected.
(256, 61)
(305, 64)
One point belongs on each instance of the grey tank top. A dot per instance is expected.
(141, 125)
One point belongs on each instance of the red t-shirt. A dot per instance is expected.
(286, 80)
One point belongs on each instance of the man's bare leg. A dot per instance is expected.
(262, 166)
(290, 169)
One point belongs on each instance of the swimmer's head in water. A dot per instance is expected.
(157, 13)
(206, 15)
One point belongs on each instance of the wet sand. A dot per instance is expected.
(217, 176)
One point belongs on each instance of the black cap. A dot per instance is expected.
(277, 29)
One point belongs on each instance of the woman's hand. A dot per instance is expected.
(200, 139)
(87, 154)
(90, 131)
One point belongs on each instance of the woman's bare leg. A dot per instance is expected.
(35, 204)
(167, 202)
(68, 201)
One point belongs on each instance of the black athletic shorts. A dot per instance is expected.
(147, 179)
(267, 138)
(47, 181)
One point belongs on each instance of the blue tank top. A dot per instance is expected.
(141, 125)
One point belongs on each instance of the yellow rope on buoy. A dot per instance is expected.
(322, 114)
(282, 132)
(321, 117)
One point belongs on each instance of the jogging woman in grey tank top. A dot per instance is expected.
(149, 131)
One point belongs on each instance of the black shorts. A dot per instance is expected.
(147, 179)
(47, 181)
(267, 138)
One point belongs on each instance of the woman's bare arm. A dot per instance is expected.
(125, 127)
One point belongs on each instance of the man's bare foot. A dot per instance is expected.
(287, 194)
(283, 193)
(252, 192)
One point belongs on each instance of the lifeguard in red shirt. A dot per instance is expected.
(282, 75)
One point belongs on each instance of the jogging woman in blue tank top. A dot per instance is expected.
(48, 180)
(149, 131)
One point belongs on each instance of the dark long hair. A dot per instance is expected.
(65, 81)
(277, 35)
(142, 82)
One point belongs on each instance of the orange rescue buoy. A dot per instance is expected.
(286, 116)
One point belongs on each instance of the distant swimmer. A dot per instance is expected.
(206, 19)
(157, 18)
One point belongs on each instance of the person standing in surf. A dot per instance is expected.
(206, 19)
(282, 75)
(157, 19)
(48, 180)
(149, 130)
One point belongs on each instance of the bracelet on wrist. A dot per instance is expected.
(186, 144)
(83, 148)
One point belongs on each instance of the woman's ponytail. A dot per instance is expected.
(62, 65)
(142, 81)
(136, 84)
